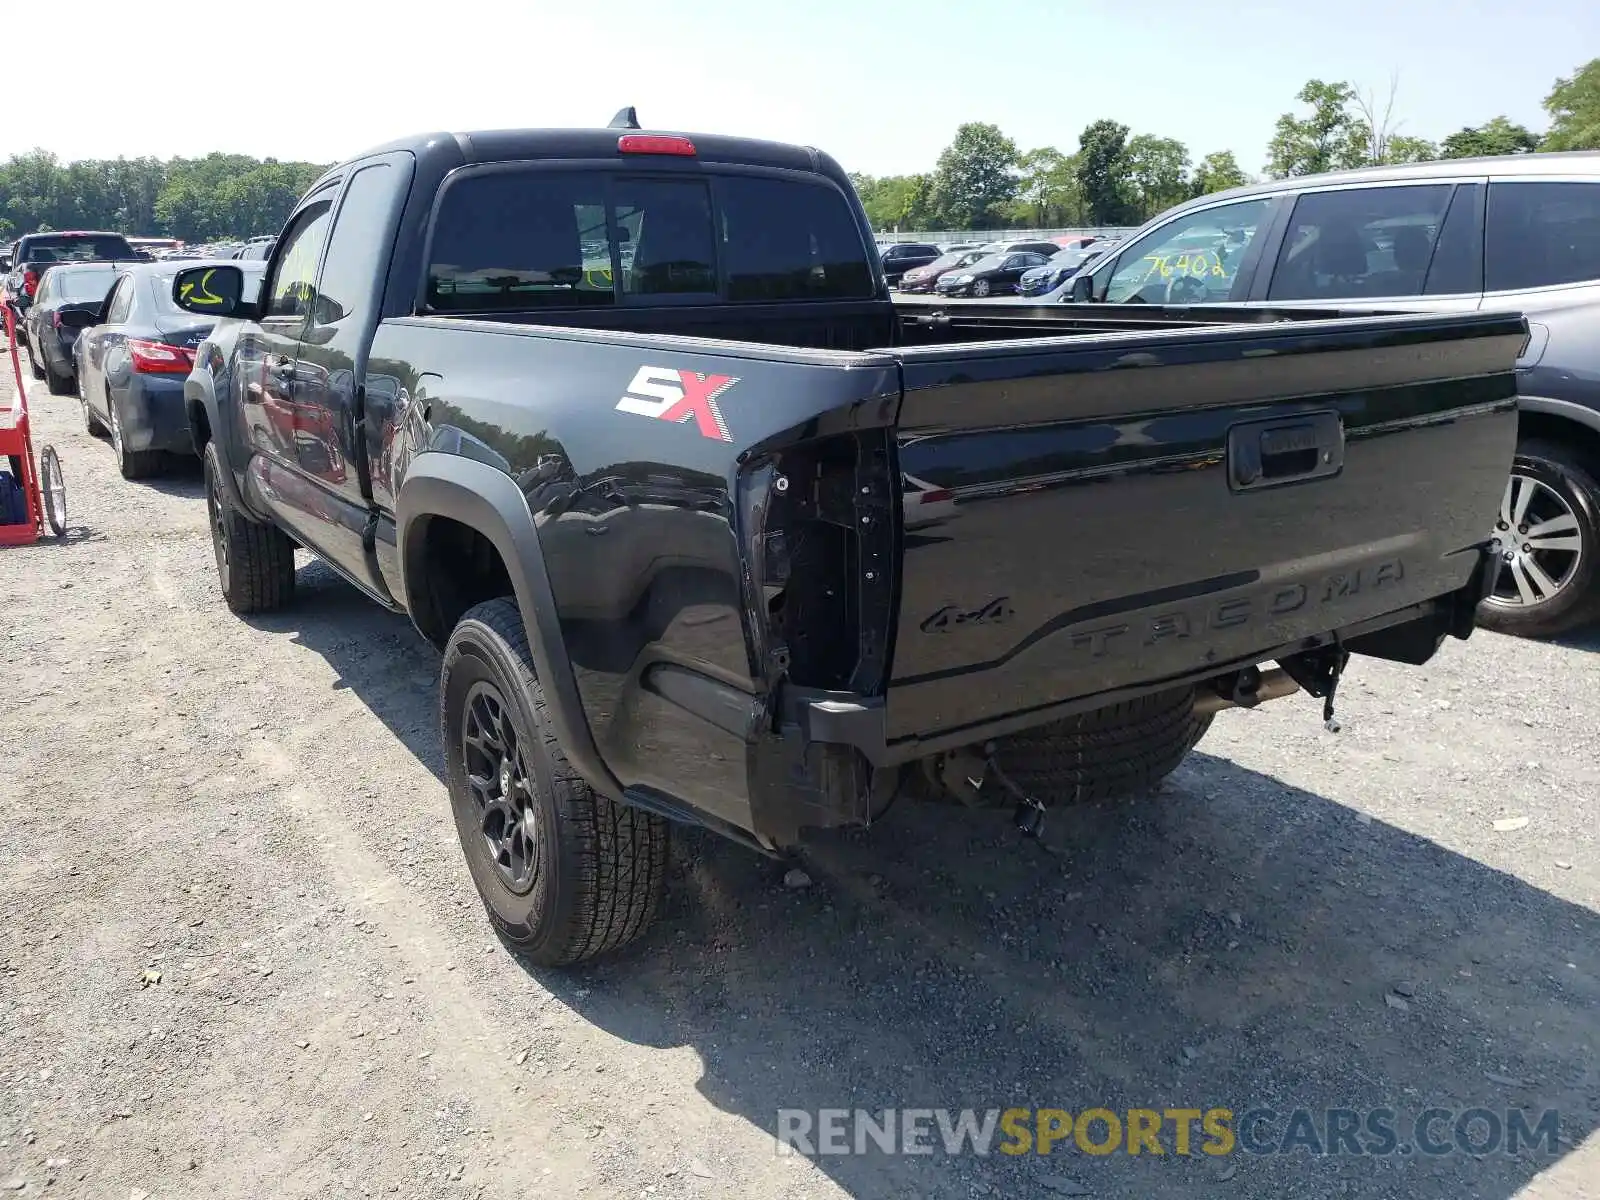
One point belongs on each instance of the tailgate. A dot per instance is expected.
(1135, 507)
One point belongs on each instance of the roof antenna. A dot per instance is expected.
(626, 118)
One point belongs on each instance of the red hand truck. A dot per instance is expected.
(43, 488)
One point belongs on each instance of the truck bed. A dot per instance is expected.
(987, 521)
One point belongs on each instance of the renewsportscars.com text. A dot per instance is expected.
(1378, 1132)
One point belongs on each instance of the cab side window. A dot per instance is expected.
(1542, 235)
(1194, 259)
(292, 286)
(1360, 242)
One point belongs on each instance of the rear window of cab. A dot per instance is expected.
(526, 238)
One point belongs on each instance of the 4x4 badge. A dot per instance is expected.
(668, 394)
(953, 616)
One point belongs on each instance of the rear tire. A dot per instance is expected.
(1567, 502)
(255, 562)
(133, 464)
(1116, 751)
(564, 873)
(60, 385)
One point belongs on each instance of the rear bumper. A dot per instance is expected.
(832, 732)
(154, 416)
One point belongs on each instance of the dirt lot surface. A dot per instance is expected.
(240, 954)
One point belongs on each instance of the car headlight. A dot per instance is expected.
(963, 278)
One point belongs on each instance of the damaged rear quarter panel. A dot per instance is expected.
(627, 449)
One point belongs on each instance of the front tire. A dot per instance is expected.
(91, 423)
(564, 873)
(34, 368)
(255, 562)
(1548, 534)
(981, 289)
(1116, 751)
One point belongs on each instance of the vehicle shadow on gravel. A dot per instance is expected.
(180, 476)
(1233, 942)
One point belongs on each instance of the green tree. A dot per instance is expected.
(1217, 172)
(1103, 173)
(1329, 139)
(975, 176)
(893, 201)
(217, 196)
(1499, 136)
(1574, 108)
(1401, 148)
(1049, 189)
(1158, 173)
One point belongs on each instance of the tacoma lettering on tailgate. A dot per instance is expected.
(1266, 604)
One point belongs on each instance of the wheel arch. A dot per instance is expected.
(443, 493)
(1560, 421)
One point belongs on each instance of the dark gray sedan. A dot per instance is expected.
(131, 366)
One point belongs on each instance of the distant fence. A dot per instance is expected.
(1003, 235)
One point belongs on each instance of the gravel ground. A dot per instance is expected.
(240, 954)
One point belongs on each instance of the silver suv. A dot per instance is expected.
(1520, 232)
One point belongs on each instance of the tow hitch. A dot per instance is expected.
(1319, 672)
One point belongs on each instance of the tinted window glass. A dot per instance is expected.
(1359, 242)
(1541, 234)
(356, 253)
(291, 290)
(71, 248)
(75, 286)
(665, 229)
(518, 240)
(1458, 256)
(1191, 260)
(783, 240)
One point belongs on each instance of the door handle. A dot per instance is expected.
(1285, 450)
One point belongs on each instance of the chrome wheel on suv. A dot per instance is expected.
(1546, 535)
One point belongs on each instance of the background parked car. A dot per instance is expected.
(34, 252)
(993, 275)
(902, 256)
(1517, 232)
(1060, 267)
(257, 249)
(65, 303)
(922, 279)
(1046, 248)
(132, 364)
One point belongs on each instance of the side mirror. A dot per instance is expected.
(212, 292)
(1082, 289)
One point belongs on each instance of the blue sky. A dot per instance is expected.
(879, 85)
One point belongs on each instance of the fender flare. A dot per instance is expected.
(199, 392)
(484, 498)
(1578, 414)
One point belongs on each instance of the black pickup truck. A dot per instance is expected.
(35, 253)
(708, 531)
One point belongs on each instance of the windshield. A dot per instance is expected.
(989, 262)
(946, 262)
(74, 287)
